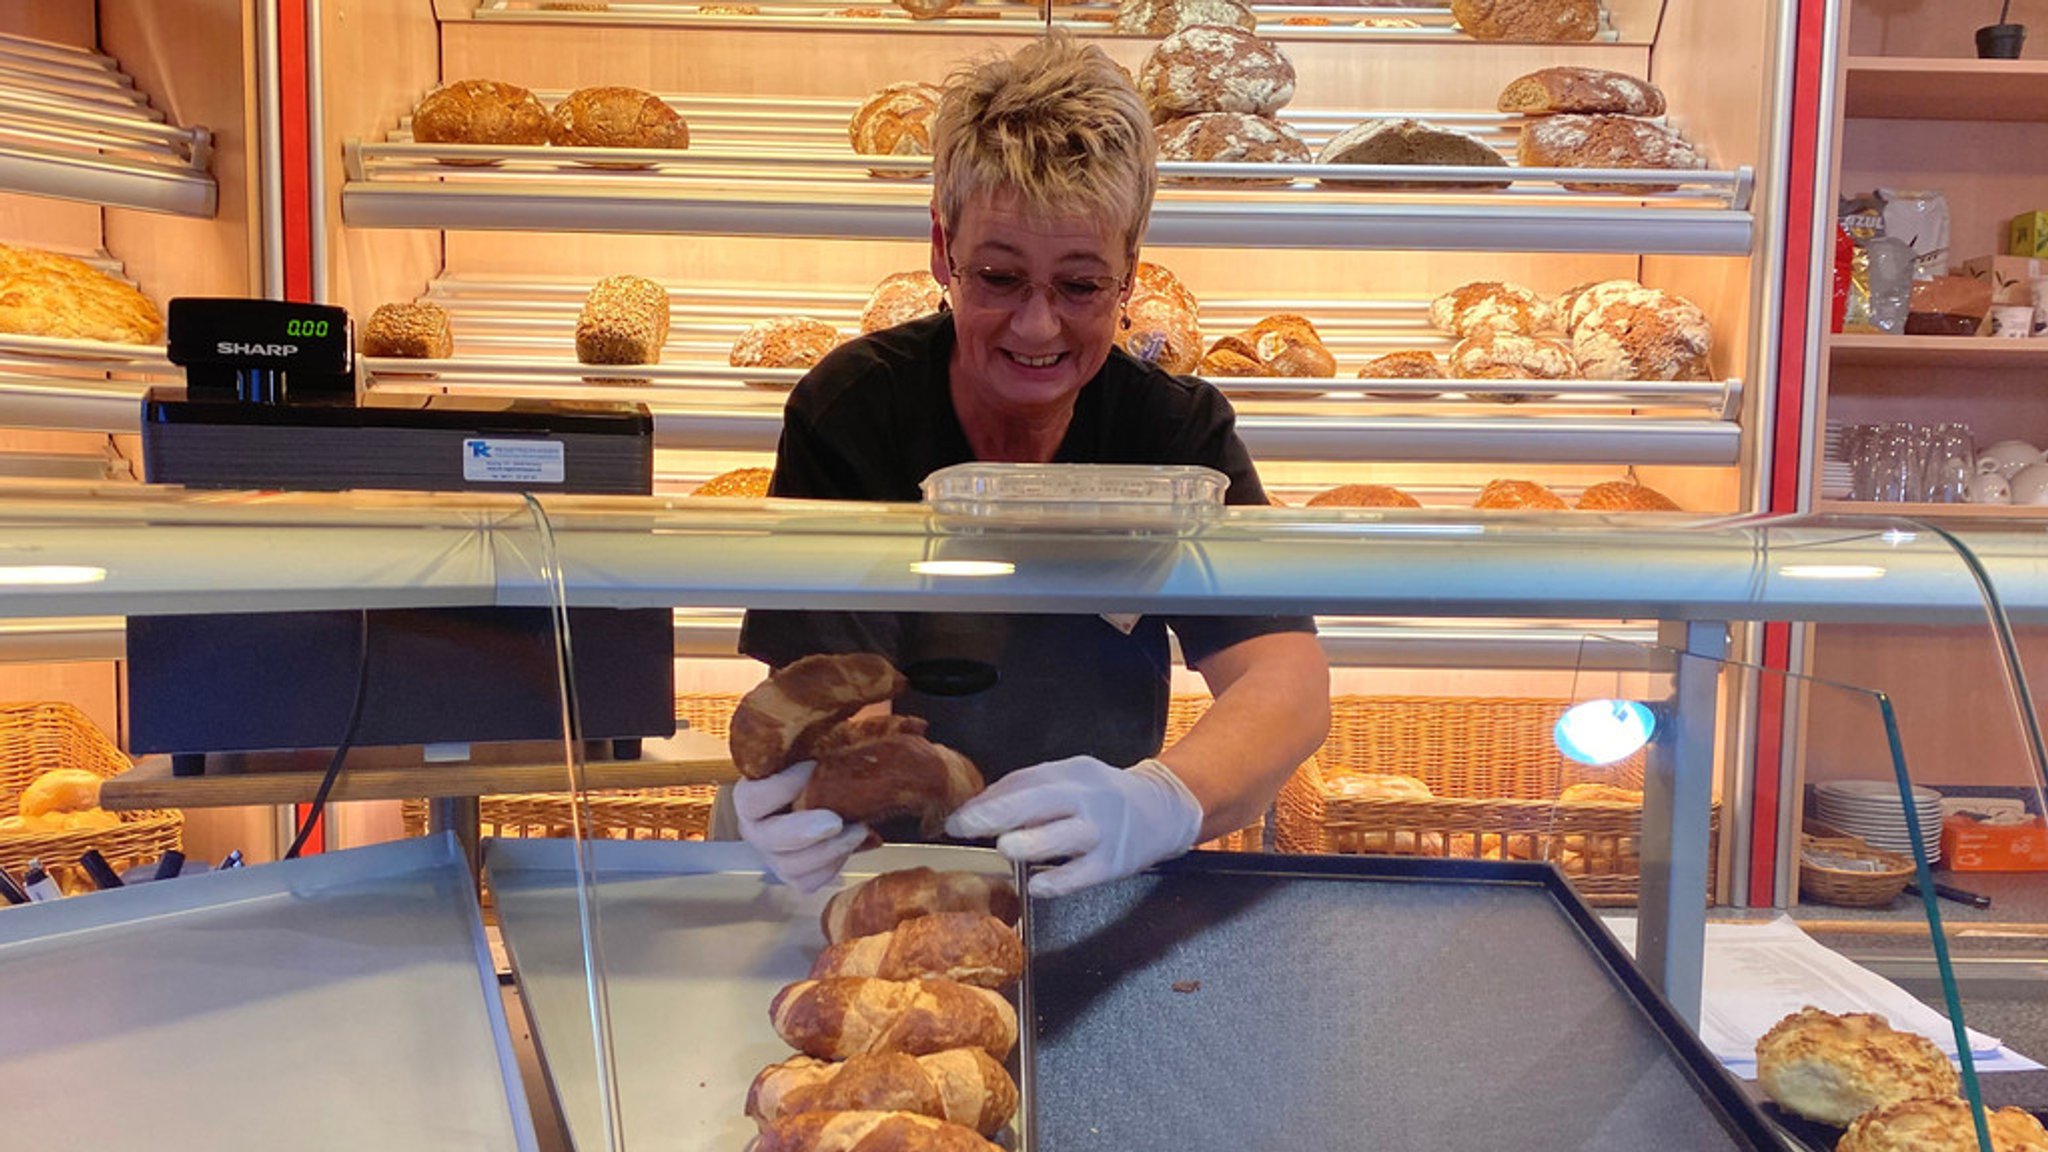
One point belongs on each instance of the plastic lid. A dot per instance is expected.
(1084, 497)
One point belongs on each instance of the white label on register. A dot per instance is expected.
(512, 461)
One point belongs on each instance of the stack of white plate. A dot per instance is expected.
(1870, 810)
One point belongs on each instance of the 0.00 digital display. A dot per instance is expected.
(305, 328)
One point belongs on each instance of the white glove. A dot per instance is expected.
(1110, 821)
(804, 850)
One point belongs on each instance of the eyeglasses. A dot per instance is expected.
(1003, 288)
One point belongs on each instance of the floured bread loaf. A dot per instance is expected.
(1645, 334)
(480, 112)
(415, 331)
(1542, 20)
(1210, 68)
(1519, 494)
(1941, 1126)
(1164, 328)
(1605, 142)
(1623, 496)
(1551, 91)
(1404, 141)
(1835, 1068)
(1366, 496)
(1230, 138)
(624, 321)
(1491, 355)
(1157, 18)
(45, 294)
(616, 117)
(895, 121)
(783, 342)
(964, 1086)
(899, 299)
(1571, 307)
(1491, 305)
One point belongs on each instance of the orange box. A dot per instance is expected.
(1968, 845)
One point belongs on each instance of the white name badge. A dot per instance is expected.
(512, 461)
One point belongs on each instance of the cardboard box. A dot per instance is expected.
(2027, 235)
(2011, 277)
(1969, 845)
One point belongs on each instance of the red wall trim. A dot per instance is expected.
(295, 149)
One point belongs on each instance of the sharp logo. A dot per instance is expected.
(235, 348)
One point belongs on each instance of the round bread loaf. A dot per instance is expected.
(616, 117)
(1489, 305)
(1290, 346)
(1405, 141)
(1157, 18)
(1164, 332)
(1647, 334)
(1519, 494)
(1232, 356)
(1835, 1068)
(895, 121)
(60, 790)
(1605, 142)
(1149, 279)
(783, 342)
(1404, 365)
(1366, 496)
(1941, 1126)
(1491, 355)
(1209, 68)
(1230, 138)
(1571, 307)
(738, 482)
(46, 294)
(414, 331)
(1624, 496)
(1541, 20)
(480, 112)
(899, 299)
(1550, 91)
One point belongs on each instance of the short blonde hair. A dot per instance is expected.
(1060, 123)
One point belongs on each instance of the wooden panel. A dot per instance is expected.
(1934, 27)
(60, 21)
(1919, 88)
(1948, 353)
(55, 224)
(1990, 172)
(379, 57)
(91, 685)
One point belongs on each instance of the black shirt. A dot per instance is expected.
(873, 419)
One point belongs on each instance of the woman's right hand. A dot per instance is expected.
(804, 850)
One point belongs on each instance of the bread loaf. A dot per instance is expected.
(895, 121)
(1163, 326)
(480, 112)
(776, 723)
(1489, 305)
(1282, 344)
(1624, 496)
(1835, 1068)
(964, 1086)
(624, 321)
(1211, 68)
(866, 1132)
(1550, 91)
(1570, 308)
(880, 904)
(1405, 141)
(1540, 20)
(415, 331)
(1230, 138)
(971, 947)
(1387, 22)
(1404, 365)
(1157, 18)
(1491, 355)
(1941, 1126)
(783, 342)
(882, 768)
(45, 294)
(844, 1016)
(738, 482)
(1519, 494)
(899, 299)
(927, 9)
(1363, 496)
(1645, 334)
(1605, 142)
(616, 117)
(60, 790)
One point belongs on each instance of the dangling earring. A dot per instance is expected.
(1126, 322)
(945, 304)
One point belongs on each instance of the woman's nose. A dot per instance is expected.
(1036, 317)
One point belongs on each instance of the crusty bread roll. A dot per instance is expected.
(738, 482)
(624, 321)
(1519, 494)
(844, 1016)
(1835, 1068)
(964, 1086)
(780, 719)
(1645, 334)
(60, 790)
(1380, 786)
(1605, 142)
(899, 299)
(1590, 793)
(866, 1132)
(415, 331)
(1363, 496)
(1550, 91)
(1623, 496)
(1164, 329)
(971, 947)
(1157, 18)
(45, 294)
(1211, 68)
(1230, 138)
(616, 117)
(1541, 20)
(1149, 279)
(1283, 344)
(1489, 304)
(1383, 787)
(882, 768)
(783, 342)
(1404, 365)
(1491, 355)
(895, 121)
(480, 112)
(1404, 141)
(881, 903)
(1941, 1126)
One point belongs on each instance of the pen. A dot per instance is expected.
(169, 865)
(10, 889)
(231, 860)
(1959, 895)
(96, 866)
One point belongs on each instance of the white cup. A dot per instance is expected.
(1987, 488)
(2012, 321)
(2030, 485)
(2007, 457)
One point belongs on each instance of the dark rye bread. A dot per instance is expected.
(1404, 141)
(1552, 91)
(480, 112)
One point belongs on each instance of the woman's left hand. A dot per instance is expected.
(1109, 822)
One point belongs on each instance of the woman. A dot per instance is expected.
(1043, 180)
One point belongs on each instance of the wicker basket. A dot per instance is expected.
(1495, 775)
(35, 738)
(1850, 889)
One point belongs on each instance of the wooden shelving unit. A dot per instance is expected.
(1975, 512)
(1935, 352)
(1942, 88)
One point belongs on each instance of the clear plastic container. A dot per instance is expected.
(1077, 497)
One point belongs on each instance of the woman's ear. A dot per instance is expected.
(942, 268)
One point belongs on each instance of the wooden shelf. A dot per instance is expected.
(2015, 512)
(1929, 88)
(1936, 351)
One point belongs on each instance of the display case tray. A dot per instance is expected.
(695, 945)
(345, 1001)
(1231, 1001)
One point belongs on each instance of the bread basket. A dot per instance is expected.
(1839, 869)
(38, 737)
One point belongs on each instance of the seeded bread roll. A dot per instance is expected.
(1835, 1068)
(1404, 141)
(1365, 496)
(1623, 496)
(1550, 91)
(1157, 18)
(783, 342)
(480, 112)
(1491, 355)
(895, 121)
(1541, 20)
(1209, 68)
(415, 331)
(1941, 1126)
(1230, 138)
(899, 299)
(614, 117)
(624, 321)
(1519, 494)
(45, 294)
(1489, 305)
(1605, 142)
(746, 482)
(1646, 334)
